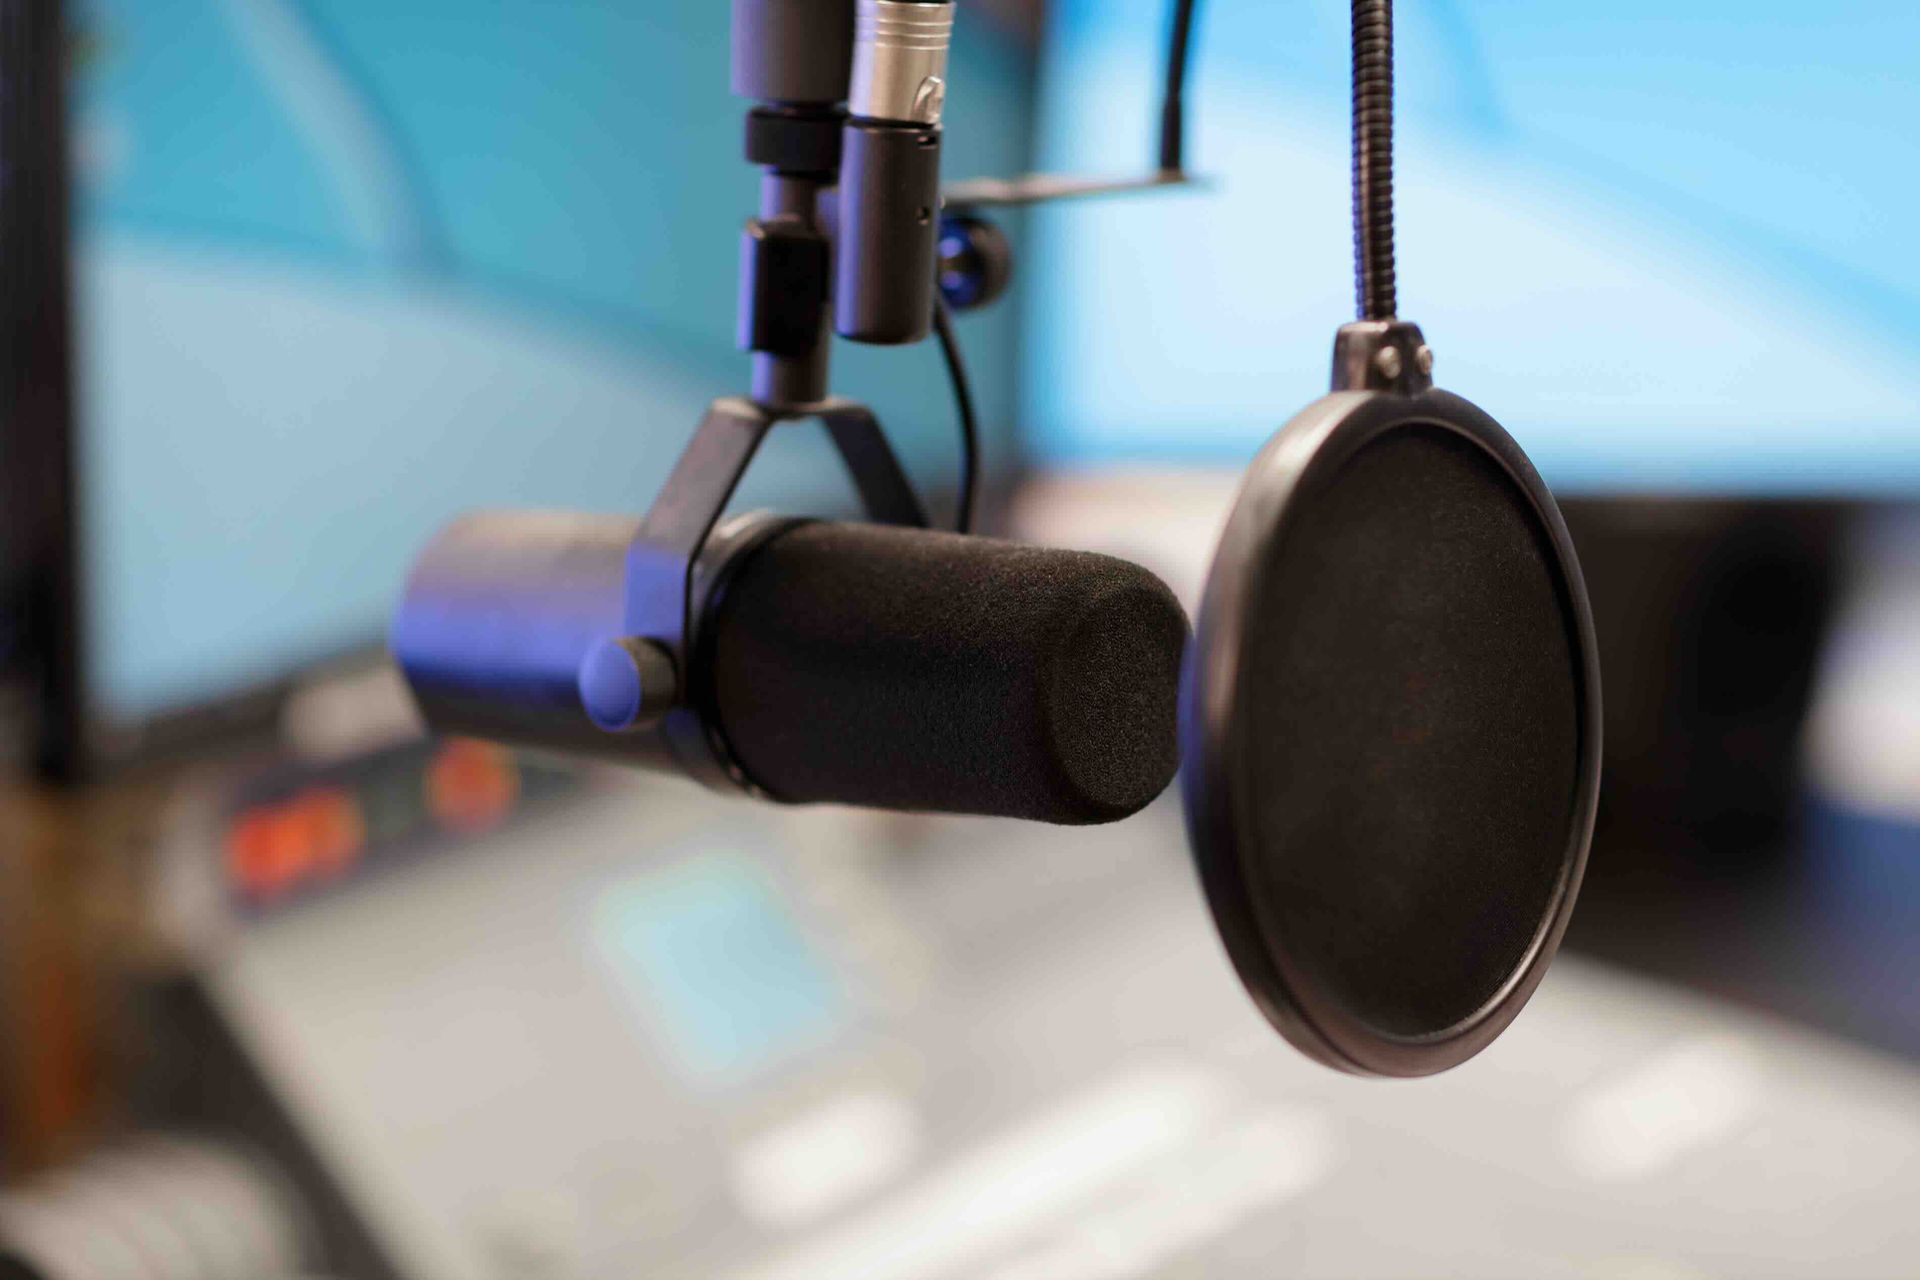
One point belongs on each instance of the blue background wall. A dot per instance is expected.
(348, 268)
(1670, 246)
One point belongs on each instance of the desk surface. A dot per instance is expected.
(658, 1034)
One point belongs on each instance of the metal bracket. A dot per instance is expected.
(1382, 355)
(662, 558)
(1045, 188)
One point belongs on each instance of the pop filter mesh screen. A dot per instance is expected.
(1410, 720)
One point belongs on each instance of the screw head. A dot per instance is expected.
(930, 99)
(1387, 361)
(1423, 360)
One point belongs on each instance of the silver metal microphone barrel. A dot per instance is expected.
(890, 171)
(900, 60)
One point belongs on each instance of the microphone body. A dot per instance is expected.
(859, 664)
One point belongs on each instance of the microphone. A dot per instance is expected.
(859, 664)
(890, 171)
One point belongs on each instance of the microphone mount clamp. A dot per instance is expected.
(795, 57)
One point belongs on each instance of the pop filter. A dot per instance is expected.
(1390, 725)
(1390, 715)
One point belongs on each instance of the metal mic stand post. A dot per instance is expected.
(794, 58)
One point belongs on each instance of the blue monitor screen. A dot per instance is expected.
(346, 269)
(1670, 246)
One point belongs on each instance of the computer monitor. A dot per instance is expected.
(1666, 245)
(340, 271)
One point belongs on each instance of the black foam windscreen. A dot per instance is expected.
(1392, 731)
(909, 669)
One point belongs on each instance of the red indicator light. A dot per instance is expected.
(333, 829)
(471, 785)
(316, 835)
(263, 854)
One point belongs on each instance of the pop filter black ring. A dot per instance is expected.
(1299, 460)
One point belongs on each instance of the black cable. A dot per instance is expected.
(1373, 281)
(1173, 110)
(963, 401)
(1173, 144)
